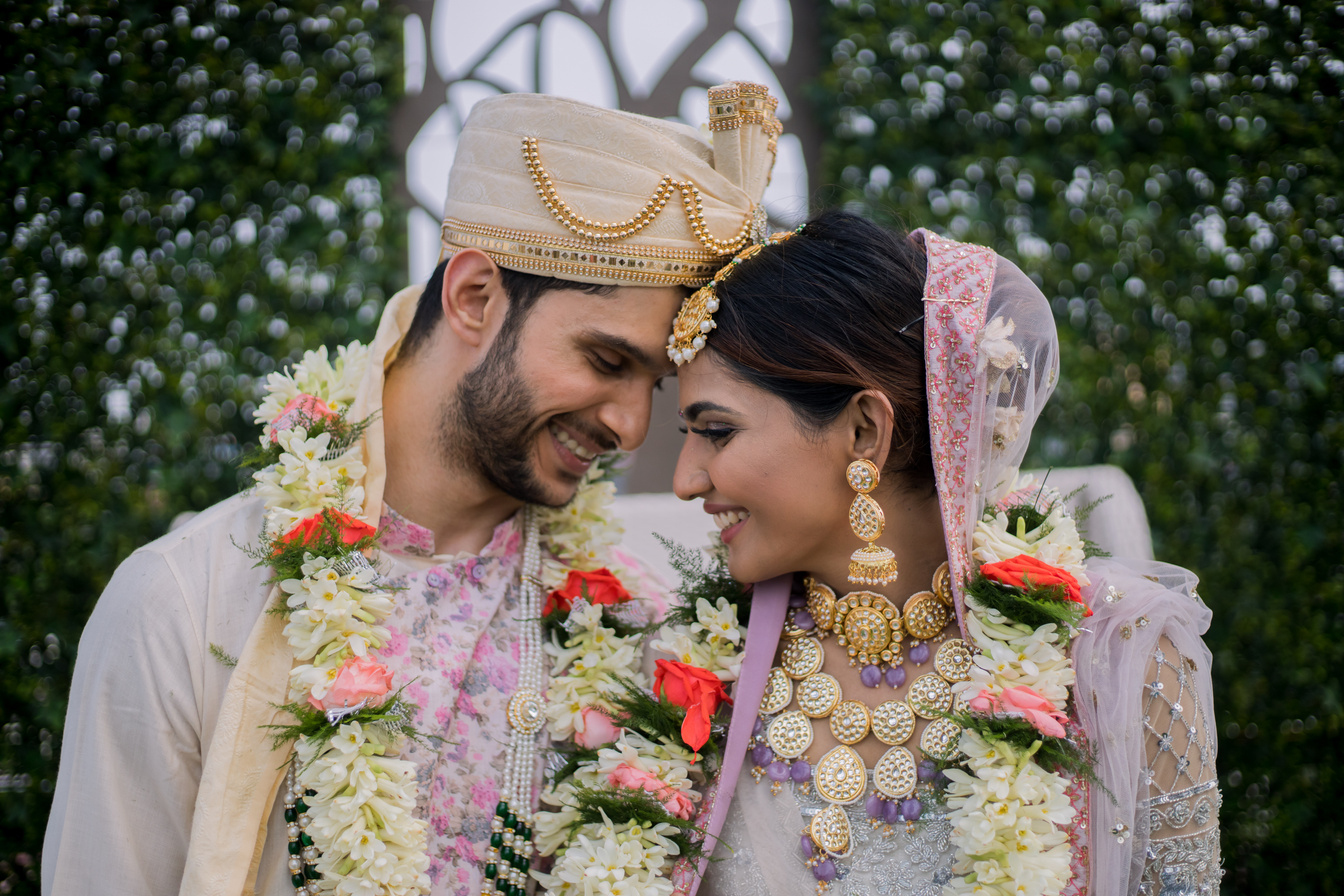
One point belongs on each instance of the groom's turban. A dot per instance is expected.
(557, 187)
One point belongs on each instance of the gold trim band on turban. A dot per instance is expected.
(560, 258)
(744, 103)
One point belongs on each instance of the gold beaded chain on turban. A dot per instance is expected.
(557, 187)
(695, 320)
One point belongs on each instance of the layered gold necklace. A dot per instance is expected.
(873, 632)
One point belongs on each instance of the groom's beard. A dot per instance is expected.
(489, 427)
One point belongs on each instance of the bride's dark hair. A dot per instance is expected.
(830, 312)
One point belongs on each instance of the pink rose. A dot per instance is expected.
(984, 702)
(360, 678)
(303, 410)
(1023, 702)
(596, 729)
(674, 801)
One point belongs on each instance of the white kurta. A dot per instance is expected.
(144, 705)
(168, 781)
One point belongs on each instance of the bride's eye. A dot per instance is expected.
(716, 435)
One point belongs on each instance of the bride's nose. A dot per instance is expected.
(690, 480)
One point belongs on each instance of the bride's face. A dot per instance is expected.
(776, 490)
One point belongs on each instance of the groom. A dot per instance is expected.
(533, 350)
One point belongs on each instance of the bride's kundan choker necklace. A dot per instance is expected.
(1000, 755)
(873, 631)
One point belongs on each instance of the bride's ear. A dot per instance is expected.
(869, 421)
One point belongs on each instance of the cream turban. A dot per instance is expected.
(557, 187)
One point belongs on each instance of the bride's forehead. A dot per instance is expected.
(717, 392)
(705, 373)
(695, 395)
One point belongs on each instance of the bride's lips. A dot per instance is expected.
(575, 454)
(729, 519)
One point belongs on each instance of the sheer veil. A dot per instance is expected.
(992, 361)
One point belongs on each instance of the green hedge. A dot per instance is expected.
(1172, 173)
(191, 196)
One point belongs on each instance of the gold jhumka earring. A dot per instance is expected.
(870, 564)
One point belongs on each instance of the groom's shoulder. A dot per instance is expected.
(200, 556)
(217, 534)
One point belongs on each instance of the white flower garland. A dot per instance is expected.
(356, 798)
(360, 799)
(714, 642)
(1010, 816)
(630, 859)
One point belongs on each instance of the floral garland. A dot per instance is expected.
(350, 810)
(624, 801)
(1009, 793)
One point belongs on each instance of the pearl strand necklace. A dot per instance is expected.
(303, 854)
(509, 855)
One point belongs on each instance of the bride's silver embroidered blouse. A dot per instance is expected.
(1181, 809)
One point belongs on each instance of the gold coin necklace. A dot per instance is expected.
(799, 693)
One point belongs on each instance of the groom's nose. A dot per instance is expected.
(626, 414)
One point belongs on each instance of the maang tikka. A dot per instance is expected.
(870, 564)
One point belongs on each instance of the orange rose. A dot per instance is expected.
(697, 691)
(1026, 572)
(598, 586)
(310, 530)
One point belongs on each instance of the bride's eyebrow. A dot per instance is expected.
(693, 410)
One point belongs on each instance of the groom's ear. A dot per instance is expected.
(473, 300)
(868, 421)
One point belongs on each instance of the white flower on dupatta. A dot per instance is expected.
(1008, 820)
(1007, 426)
(995, 346)
(1009, 814)
(1015, 655)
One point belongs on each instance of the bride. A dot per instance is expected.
(932, 650)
